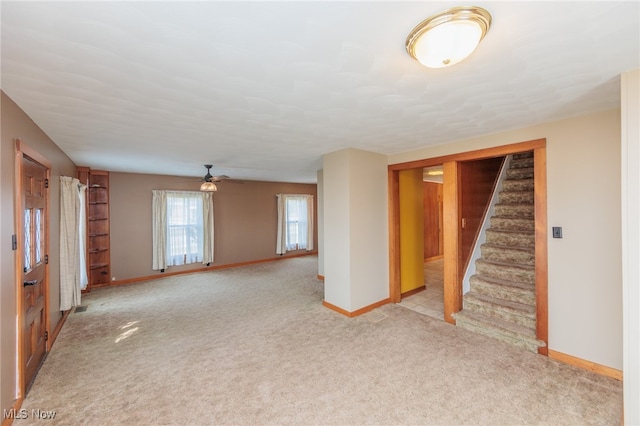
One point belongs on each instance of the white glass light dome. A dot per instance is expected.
(449, 37)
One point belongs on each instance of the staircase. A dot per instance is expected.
(502, 300)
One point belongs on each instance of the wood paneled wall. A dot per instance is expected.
(477, 180)
(433, 234)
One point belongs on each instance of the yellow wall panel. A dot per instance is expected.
(411, 230)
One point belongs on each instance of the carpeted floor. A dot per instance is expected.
(254, 346)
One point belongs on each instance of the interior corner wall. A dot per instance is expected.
(583, 197)
(15, 124)
(320, 221)
(411, 201)
(356, 240)
(630, 177)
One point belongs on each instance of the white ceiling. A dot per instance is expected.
(263, 89)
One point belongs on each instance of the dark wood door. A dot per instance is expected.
(34, 276)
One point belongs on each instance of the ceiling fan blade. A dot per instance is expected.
(209, 178)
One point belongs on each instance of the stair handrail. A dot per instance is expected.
(486, 222)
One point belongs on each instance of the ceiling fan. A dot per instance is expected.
(209, 181)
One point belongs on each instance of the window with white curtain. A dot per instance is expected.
(295, 222)
(182, 228)
(296, 209)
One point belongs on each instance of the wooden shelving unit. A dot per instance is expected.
(98, 237)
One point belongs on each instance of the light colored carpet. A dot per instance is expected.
(254, 346)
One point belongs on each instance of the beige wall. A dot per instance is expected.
(630, 95)
(356, 236)
(411, 212)
(16, 124)
(245, 216)
(583, 190)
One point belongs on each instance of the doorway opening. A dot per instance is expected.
(430, 299)
(452, 226)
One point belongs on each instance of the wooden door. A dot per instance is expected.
(34, 286)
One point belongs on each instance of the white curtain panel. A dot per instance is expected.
(159, 229)
(70, 280)
(281, 236)
(84, 278)
(207, 213)
(309, 201)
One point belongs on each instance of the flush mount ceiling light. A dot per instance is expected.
(448, 37)
(432, 171)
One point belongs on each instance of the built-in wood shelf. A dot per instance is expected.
(98, 234)
(99, 265)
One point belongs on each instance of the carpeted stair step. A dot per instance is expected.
(522, 256)
(506, 271)
(513, 223)
(513, 334)
(517, 185)
(502, 299)
(521, 163)
(516, 197)
(508, 290)
(510, 238)
(519, 173)
(515, 210)
(528, 154)
(506, 310)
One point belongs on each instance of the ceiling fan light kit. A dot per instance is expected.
(208, 187)
(449, 37)
(208, 181)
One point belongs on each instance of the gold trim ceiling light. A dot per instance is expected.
(448, 37)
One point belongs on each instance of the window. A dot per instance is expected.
(296, 212)
(182, 228)
(33, 238)
(295, 223)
